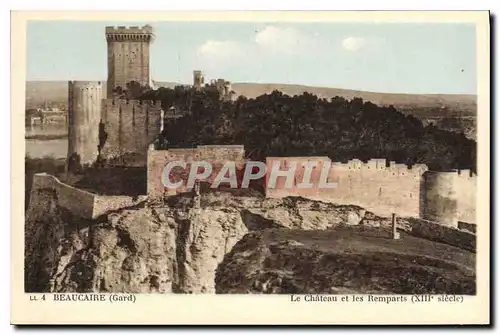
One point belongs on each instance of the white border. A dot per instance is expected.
(96, 5)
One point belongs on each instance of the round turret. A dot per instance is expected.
(440, 198)
(84, 116)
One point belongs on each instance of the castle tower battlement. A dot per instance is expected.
(124, 102)
(130, 127)
(84, 115)
(122, 32)
(128, 56)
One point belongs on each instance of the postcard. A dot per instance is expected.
(227, 168)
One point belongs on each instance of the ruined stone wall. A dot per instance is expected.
(392, 189)
(106, 203)
(128, 56)
(443, 197)
(84, 114)
(221, 152)
(130, 127)
(78, 202)
(372, 185)
(377, 186)
(280, 190)
(158, 159)
(224, 88)
(436, 231)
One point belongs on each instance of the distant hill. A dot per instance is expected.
(56, 92)
(463, 102)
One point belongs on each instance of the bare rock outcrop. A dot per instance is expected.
(142, 249)
(176, 246)
(203, 241)
(300, 213)
(173, 247)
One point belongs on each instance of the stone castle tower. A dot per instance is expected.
(113, 127)
(84, 115)
(198, 79)
(128, 56)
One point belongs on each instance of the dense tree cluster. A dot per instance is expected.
(280, 125)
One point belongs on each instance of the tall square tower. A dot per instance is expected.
(128, 56)
(198, 79)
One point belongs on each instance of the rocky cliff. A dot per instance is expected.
(173, 247)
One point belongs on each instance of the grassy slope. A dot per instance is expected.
(344, 260)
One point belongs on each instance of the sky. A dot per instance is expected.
(379, 57)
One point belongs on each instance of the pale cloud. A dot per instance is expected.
(352, 43)
(281, 39)
(272, 42)
(221, 50)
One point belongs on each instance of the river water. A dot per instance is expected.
(46, 130)
(43, 148)
(39, 147)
